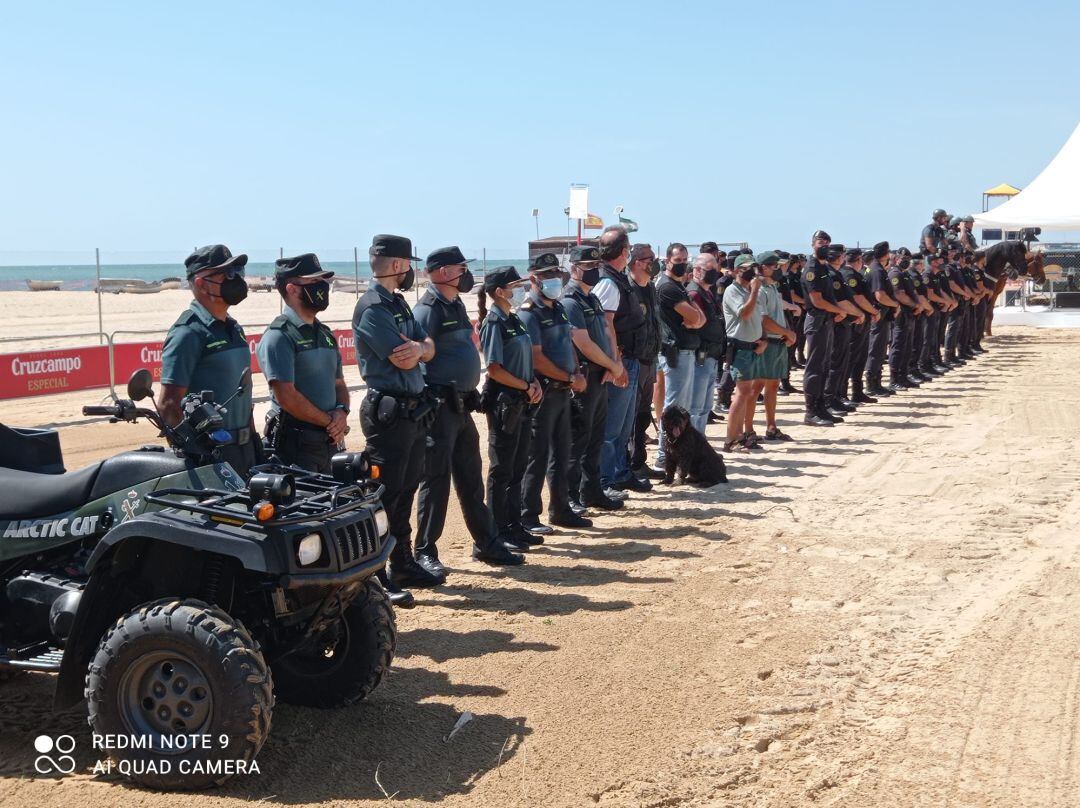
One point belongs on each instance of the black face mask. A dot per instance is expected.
(904, 263)
(678, 270)
(316, 296)
(748, 274)
(465, 281)
(655, 268)
(591, 276)
(407, 279)
(711, 276)
(232, 290)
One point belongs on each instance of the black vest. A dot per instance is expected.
(629, 319)
(650, 343)
(712, 334)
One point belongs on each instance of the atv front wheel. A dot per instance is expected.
(181, 694)
(346, 666)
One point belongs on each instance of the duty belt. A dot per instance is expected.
(554, 384)
(743, 346)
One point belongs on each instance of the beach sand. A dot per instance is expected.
(879, 613)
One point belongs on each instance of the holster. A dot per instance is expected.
(670, 352)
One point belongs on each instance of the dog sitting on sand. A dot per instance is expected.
(687, 452)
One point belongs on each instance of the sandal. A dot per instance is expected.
(750, 440)
(774, 433)
(735, 447)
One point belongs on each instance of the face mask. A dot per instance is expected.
(231, 290)
(465, 281)
(316, 296)
(748, 274)
(711, 276)
(590, 277)
(517, 296)
(904, 263)
(654, 268)
(407, 280)
(551, 288)
(678, 270)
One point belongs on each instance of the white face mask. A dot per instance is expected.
(520, 293)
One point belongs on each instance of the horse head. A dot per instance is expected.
(1035, 264)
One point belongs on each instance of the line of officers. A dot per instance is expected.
(571, 368)
(922, 312)
(549, 369)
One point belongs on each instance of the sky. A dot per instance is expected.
(158, 126)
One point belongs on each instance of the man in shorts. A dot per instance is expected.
(742, 321)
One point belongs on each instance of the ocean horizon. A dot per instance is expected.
(82, 277)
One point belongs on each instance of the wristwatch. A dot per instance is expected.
(343, 407)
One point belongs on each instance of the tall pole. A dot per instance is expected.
(100, 323)
(281, 300)
(356, 268)
(579, 231)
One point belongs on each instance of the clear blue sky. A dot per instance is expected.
(153, 126)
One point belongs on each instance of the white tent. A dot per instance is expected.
(1050, 201)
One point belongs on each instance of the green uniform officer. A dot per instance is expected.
(300, 358)
(397, 410)
(206, 349)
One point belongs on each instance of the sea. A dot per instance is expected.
(83, 277)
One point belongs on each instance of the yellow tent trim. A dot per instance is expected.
(1002, 190)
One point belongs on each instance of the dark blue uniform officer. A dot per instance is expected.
(556, 365)
(397, 410)
(900, 344)
(821, 309)
(511, 393)
(300, 358)
(453, 447)
(206, 349)
(840, 357)
(883, 295)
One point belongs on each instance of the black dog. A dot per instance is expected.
(687, 451)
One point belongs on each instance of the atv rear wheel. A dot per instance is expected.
(186, 681)
(347, 667)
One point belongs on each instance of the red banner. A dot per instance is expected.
(130, 356)
(37, 373)
(346, 346)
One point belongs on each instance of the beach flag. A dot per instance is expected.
(629, 225)
(594, 222)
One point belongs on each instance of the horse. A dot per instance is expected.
(1012, 254)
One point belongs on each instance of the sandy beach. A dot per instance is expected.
(878, 613)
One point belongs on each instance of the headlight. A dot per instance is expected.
(309, 550)
(382, 524)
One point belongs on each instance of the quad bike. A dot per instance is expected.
(180, 600)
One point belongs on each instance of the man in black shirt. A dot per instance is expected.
(641, 261)
(822, 312)
(932, 237)
(680, 320)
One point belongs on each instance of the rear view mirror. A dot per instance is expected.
(140, 385)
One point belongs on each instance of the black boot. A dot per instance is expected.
(813, 417)
(405, 573)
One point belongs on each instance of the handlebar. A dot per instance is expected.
(99, 410)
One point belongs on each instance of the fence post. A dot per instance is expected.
(100, 328)
(356, 269)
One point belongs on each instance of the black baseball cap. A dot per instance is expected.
(387, 246)
(215, 256)
(881, 249)
(834, 251)
(299, 266)
(545, 262)
(584, 254)
(446, 257)
(852, 253)
(820, 234)
(502, 276)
